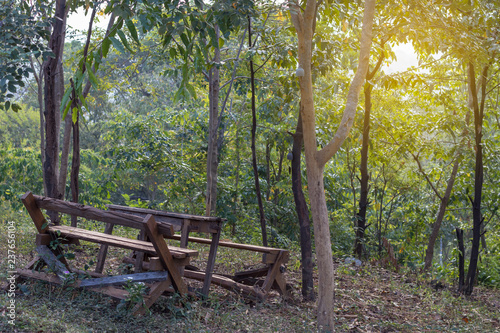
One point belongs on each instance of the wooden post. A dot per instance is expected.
(164, 254)
(103, 250)
(210, 263)
(40, 222)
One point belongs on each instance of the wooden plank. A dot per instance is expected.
(157, 213)
(123, 279)
(249, 247)
(274, 270)
(148, 266)
(254, 273)
(118, 241)
(52, 261)
(163, 253)
(36, 214)
(92, 213)
(228, 284)
(103, 250)
(210, 264)
(139, 256)
(198, 223)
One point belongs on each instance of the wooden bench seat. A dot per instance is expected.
(117, 241)
(167, 262)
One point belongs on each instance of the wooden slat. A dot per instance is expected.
(122, 242)
(123, 279)
(164, 254)
(227, 283)
(92, 213)
(52, 261)
(198, 223)
(156, 213)
(249, 247)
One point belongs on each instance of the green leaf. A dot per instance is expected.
(66, 109)
(7, 106)
(190, 88)
(133, 32)
(116, 43)
(74, 114)
(123, 38)
(105, 46)
(16, 107)
(93, 79)
(65, 99)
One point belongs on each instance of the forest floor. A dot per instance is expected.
(368, 299)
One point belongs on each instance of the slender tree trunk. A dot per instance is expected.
(429, 253)
(54, 85)
(478, 175)
(66, 143)
(359, 244)
(461, 254)
(212, 154)
(75, 166)
(303, 217)
(254, 154)
(304, 21)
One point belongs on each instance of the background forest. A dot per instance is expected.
(194, 107)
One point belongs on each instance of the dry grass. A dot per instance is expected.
(368, 299)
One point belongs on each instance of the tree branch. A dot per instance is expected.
(324, 155)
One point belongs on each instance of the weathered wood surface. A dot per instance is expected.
(248, 247)
(103, 250)
(95, 214)
(123, 242)
(228, 284)
(52, 261)
(156, 213)
(124, 279)
(163, 252)
(197, 223)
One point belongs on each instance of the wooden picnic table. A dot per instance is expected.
(185, 223)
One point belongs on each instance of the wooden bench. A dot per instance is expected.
(273, 258)
(166, 262)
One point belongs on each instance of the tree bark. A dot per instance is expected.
(461, 254)
(75, 166)
(54, 85)
(213, 124)
(478, 174)
(254, 154)
(429, 253)
(304, 23)
(303, 217)
(359, 243)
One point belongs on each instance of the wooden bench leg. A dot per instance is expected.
(274, 274)
(41, 223)
(151, 228)
(156, 290)
(103, 250)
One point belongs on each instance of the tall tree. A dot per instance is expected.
(304, 21)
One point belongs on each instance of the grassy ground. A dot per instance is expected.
(368, 299)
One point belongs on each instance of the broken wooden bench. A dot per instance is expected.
(166, 262)
(274, 259)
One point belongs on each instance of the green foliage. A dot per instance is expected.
(23, 32)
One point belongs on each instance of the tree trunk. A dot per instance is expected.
(429, 253)
(254, 154)
(75, 166)
(213, 124)
(359, 243)
(461, 254)
(63, 170)
(304, 23)
(478, 174)
(303, 216)
(54, 85)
